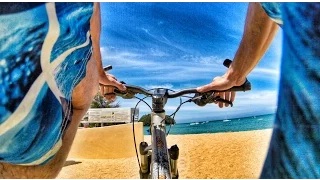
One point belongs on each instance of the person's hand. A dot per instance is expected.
(221, 83)
(109, 79)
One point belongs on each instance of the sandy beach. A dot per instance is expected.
(219, 155)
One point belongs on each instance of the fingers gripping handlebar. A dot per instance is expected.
(200, 99)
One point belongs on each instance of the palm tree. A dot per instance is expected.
(100, 102)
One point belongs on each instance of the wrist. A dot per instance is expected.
(101, 72)
(235, 78)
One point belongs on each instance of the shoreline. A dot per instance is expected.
(204, 133)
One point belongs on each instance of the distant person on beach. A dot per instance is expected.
(294, 147)
(50, 69)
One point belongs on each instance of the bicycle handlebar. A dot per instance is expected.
(245, 87)
(205, 97)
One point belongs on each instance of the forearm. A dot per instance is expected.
(258, 34)
(95, 29)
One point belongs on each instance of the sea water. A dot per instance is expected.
(225, 125)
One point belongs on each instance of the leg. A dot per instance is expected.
(81, 99)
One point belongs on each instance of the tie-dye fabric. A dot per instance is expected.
(295, 145)
(44, 50)
(273, 9)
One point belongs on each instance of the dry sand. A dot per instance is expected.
(220, 155)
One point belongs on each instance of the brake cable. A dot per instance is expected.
(134, 134)
(172, 115)
(173, 119)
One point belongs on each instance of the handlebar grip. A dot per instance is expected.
(107, 68)
(227, 63)
(246, 86)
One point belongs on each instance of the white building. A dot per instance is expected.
(110, 115)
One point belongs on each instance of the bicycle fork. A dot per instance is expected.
(162, 162)
(174, 155)
(145, 156)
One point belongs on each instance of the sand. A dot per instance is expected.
(110, 142)
(219, 155)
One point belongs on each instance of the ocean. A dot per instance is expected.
(226, 125)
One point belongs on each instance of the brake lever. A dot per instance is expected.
(127, 94)
(223, 100)
(124, 94)
(205, 98)
(117, 92)
(200, 99)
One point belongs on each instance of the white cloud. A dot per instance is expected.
(189, 66)
(190, 69)
(157, 53)
(204, 60)
(245, 103)
(152, 86)
(120, 55)
(258, 95)
(145, 30)
(164, 40)
(268, 73)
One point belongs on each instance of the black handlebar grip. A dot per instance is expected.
(244, 87)
(227, 63)
(107, 68)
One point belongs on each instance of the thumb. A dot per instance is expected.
(205, 88)
(218, 83)
(119, 85)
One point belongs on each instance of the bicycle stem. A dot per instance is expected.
(159, 100)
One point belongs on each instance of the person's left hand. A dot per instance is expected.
(109, 79)
(221, 83)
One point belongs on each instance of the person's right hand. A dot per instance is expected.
(221, 83)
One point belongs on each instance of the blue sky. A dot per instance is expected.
(183, 45)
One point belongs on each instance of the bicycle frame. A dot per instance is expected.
(160, 164)
(160, 167)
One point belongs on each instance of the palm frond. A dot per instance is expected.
(100, 102)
